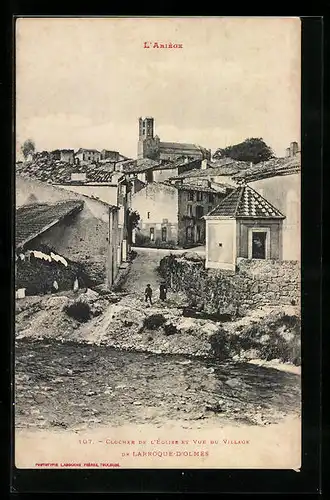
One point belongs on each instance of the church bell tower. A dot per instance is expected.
(146, 136)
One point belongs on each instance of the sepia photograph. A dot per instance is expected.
(158, 243)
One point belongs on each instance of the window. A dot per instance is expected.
(199, 196)
(148, 215)
(259, 243)
(164, 233)
(199, 234)
(210, 208)
(152, 234)
(191, 196)
(190, 210)
(149, 176)
(189, 235)
(211, 197)
(199, 211)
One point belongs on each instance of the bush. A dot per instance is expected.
(79, 311)
(154, 321)
(220, 345)
(165, 244)
(132, 255)
(282, 339)
(142, 240)
(170, 329)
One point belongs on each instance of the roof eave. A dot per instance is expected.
(218, 217)
(260, 217)
(75, 209)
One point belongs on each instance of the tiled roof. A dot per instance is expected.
(190, 187)
(215, 170)
(246, 202)
(270, 168)
(57, 172)
(104, 176)
(140, 165)
(178, 145)
(44, 168)
(179, 162)
(34, 219)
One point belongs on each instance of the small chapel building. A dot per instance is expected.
(245, 225)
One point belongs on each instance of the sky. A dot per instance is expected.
(84, 82)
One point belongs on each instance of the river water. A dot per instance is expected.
(77, 386)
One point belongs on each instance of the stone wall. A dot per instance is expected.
(254, 284)
(273, 282)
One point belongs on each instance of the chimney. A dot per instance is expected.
(287, 152)
(204, 164)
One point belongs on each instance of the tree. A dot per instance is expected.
(252, 150)
(133, 219)
(27, 148)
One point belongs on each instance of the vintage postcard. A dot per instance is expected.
(157, 248)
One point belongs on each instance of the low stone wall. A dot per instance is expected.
(254, 284)
(273, 282)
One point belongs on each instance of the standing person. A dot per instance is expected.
(148, 294)
(76, 285)
(162, 291)
(55, 287)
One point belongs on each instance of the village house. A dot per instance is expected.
(279, 181)
(146, 171)
(111, 188)
(150, 146)
(87, 156)
(173, 213)
(221, 171)
(65, 155)
(246, 225)
(110, 155)
(78, 227)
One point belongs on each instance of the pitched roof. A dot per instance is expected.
(179, 145)
(181, 161)
(270, 168)
(57, 172)
(44, 168)
(140, 165)
(215, 170)
(245, 202)
(81, 150)
(105, 176)
(36, 218)
(63, 150)
(190, 187)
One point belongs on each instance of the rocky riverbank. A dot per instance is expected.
(269, 334)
